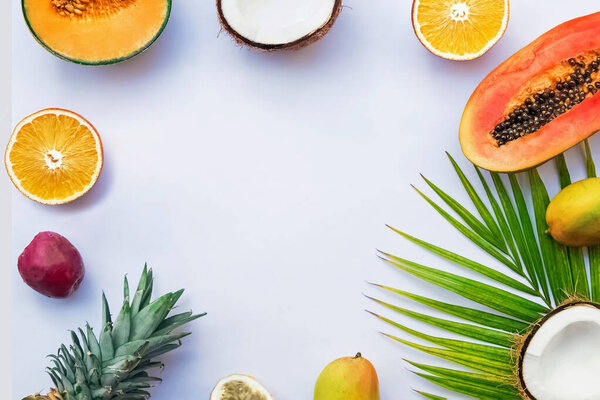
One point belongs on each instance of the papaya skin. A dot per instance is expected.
(573, 215)
(348, 378)
(489, 101)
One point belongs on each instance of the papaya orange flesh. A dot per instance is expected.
(541, 101)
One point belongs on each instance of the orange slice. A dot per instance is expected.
(54, 156)
(459, 29)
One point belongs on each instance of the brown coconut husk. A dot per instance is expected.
(295, 45)
(522, 341)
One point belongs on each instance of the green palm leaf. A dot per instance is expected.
(475, 362)
(536, 267)
(593, 252)
(490, 296)
(492, 382)
(515, 226)
(467, 330)
(485, 214)
(469, 389)
(472, 265)
(473, 236)
(511, 228)
(469, 314)
(501, 219)
(430, 396)
(477, 226)
(556, 259)
(579, 274)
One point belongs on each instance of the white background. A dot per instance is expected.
(5, 197)
(261, 183)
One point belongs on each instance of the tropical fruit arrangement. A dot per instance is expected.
(542, 305)
(528, 332)
(538, 318)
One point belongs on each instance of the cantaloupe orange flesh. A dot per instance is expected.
(96, 31)
(535, 68)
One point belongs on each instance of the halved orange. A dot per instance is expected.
(459, 29)
(54, 156)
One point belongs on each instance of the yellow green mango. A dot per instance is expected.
(348, 378)
(573, 215)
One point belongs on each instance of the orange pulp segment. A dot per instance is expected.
(460, 29)
(54, 156)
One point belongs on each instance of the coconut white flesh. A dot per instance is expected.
(245, 386)
(562, 361)
(276, 22)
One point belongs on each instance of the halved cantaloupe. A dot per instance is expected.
(96, 32)
(538, 103)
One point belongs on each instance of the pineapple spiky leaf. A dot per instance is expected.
(511, 227)
(115, 365)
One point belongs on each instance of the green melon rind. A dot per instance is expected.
(102, 62)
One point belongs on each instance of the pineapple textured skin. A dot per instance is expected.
(117, 364)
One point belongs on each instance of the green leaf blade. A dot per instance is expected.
(492, 382)
(471, 221)
(471, 331)
(482, 209)
(577, 261)
(484, 318)
(471, 235)
(477, 363)
(487, 295)
(468, 388)
(556, 260)
(536, 268)
(472, 265)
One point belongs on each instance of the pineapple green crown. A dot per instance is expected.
(116, 365)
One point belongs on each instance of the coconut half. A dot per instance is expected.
(278, 24)
(239, 387)
(560, 358)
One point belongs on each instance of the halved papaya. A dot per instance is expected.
(540, 102)
(96, 32)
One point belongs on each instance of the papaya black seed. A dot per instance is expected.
(543, 106)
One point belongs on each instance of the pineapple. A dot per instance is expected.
(542, 313)
(115, 365)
